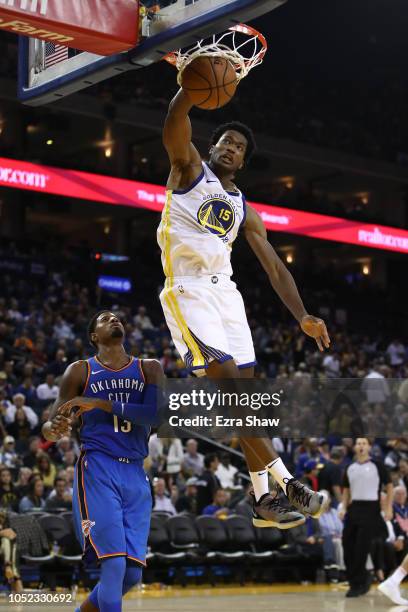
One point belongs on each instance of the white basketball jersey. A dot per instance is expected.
(198, 227)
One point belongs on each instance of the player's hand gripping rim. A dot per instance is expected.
(316, 328)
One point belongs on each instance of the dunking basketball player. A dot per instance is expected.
(117, 399)
(204, 311)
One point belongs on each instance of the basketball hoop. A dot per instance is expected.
(242, 45)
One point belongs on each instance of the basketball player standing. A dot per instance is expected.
(117, 399)
(204, 311)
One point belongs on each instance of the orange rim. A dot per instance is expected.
(171, 57)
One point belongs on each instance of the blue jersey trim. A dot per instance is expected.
(192, 368)
(247, 365)
(99, 362)
(244, 204)
(184, 191)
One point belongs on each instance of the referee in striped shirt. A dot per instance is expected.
(363, 481)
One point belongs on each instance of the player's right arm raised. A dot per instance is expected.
(72, 385)
(184, 158)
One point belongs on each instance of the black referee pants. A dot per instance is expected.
(363, 523)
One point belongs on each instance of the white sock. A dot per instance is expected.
(260, 483)
(399, 575)
(278, 470)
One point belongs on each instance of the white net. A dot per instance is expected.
(242, 45)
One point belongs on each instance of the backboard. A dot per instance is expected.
(49, 71)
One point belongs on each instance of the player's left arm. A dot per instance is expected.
(281, 279)
(145, 413)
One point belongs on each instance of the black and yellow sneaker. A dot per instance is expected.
(269, 511)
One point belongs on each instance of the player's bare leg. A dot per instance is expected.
(390, 587)
(262, 458)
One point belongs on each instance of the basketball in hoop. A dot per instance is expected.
(242, 45)
(211, 70)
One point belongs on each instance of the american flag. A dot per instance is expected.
(54, 54)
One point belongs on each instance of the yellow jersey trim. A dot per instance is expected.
(169, 295)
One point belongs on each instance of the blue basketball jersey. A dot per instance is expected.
(106, 432)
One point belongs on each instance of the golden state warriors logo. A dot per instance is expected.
(217, 216)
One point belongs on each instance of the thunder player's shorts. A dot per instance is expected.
(112, 505)
(207, 321)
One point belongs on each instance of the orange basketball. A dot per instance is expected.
(210, 82)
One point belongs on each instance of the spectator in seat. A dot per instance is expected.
(400, 507)
(19, 402)
(6, 390)
(187, 502)
(68, 459)
(28, 390)
(162, 501)
(21, 429)
(30, 458)
(388, 550)
(142, 320)
(23, 481)
(46, 469)
(174, 458)
(375, 386)
(59, 496)
(59, 365)
(403, 472)
(218, 508)
(193, 461)
(63, 445)
(244, 506)
(39, 355)
(70, 475)
(226, 472)
(397, 451)
(331, 475)
(8, 455)
(208, 482)
(310, 451)
(331, 365)
(9, 495)
(311, 474)
(9, 554)
(35, 498)
(62, 330)
(9, 375)
(396, 353)
(24, 342)
(331, 529)
(48, 390)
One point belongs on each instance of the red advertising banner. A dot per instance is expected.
(97, 26)
(109, 190)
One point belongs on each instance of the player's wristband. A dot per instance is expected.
(146, 413)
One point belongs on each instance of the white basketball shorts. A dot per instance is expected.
(207, 321)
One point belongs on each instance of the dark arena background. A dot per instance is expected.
(328, 108)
